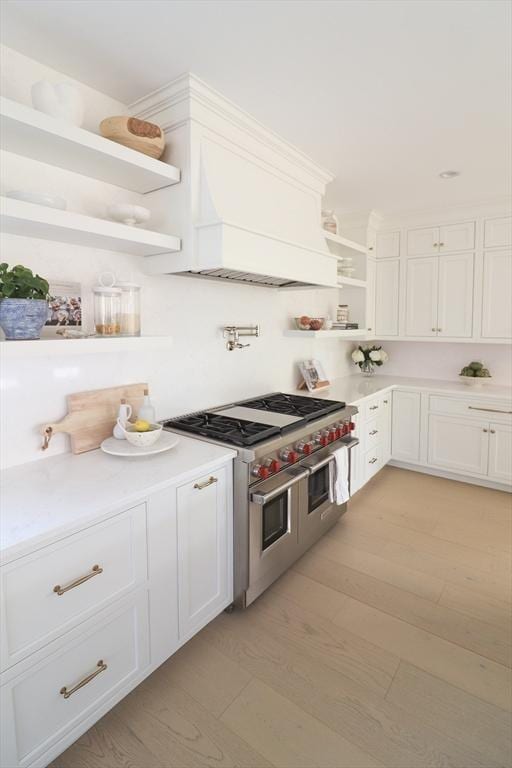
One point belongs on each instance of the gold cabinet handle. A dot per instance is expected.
(373, 407)
(101, 667)
(485, 430)
(210, 481)
(435, 245)
(373, 432)
(441, 245)
(488, 410)
(95, 571)
(372, 461)
(492, 431)
(385, 402)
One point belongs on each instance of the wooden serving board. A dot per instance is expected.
(92, 415)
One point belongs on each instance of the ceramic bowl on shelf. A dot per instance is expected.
(346, 271)
(142, 439)
(134, 133)
(129, 214)
(475, 381)
(39, 198)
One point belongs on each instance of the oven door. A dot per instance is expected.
(319, 514)
(275, 506)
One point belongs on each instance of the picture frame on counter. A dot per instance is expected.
(313, 376)
(64, 308)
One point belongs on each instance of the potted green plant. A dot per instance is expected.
(23, 302)
(475, 374)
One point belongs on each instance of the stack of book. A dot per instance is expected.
(336, 326)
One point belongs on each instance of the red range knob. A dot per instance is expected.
(308, 448)
(274, 465)
(351, 426)
(333, 434)
(293, 456)
(324, 440)
(260, 471)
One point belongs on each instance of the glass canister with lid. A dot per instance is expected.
(107, 306)
(130, 308)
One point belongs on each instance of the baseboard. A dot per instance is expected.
(451, 475)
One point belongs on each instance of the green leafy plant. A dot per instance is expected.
(475, 370)
(21, 283)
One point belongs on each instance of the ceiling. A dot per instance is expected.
(383, 93)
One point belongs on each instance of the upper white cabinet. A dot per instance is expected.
(370, 296)
(204, 520)
(439, 300)
(421, 297)
(455, 302)
(386, 297)
(443, 239)
(388, 245)
(498, 232)
(496, 299)
(405, 432)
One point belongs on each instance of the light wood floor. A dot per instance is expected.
(388, 644)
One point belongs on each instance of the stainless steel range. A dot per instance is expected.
(282, 477)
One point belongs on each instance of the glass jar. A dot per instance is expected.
(130, 308)
(330, 222)
(342, 313)
(107, 306)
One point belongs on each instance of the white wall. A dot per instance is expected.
(434, 360)
(197, 372)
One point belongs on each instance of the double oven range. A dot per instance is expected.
(282, 477)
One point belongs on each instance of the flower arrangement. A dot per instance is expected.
(368, 357)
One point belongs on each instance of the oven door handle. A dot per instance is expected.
(319, 464)
(264, 498)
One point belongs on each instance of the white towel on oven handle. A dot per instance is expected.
(339, 484)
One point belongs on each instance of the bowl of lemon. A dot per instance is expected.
(142, 434)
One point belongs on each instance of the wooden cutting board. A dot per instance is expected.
(92, 415)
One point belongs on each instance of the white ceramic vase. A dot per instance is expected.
(62, 101)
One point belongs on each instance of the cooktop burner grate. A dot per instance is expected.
(308, 408)
(234, 431)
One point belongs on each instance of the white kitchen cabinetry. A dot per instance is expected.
(496, 296)
(439, 300)
(500, 452)
(421, 296)
(444, 239)
(455, 296)
(387, 287)
(498, 232)
(373, 429)
(204, 550)
(458, 444)
(405, 435)
(87, 617)
(388, 245)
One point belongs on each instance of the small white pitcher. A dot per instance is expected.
(124, 413)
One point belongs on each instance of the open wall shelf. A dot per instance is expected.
(30, 133)
(31, 220)
(89, 346)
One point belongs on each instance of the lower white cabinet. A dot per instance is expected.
(205, 584)
(373, 429)
(458, 444)
(405, 432)
(500, 452)
(84, 620)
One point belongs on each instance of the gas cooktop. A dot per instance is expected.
(250, 422)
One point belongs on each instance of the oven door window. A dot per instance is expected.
(318, 488)
(274, 520)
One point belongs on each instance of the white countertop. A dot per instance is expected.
(45, 500)
(353, 389)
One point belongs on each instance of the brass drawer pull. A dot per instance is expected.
(372, 461)
(67, 693)
(210, 481)
(374, 432)
(373, 407)
(489, 410)
(96, 570)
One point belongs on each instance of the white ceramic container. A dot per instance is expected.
(39, 198)
(60, 100)
(129, 214)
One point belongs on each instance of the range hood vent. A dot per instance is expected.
(248, 208)
(265, 281)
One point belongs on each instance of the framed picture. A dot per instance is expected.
(64, 308)
(313, 375)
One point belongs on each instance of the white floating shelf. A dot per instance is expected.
(31, 220)
(30, 133)
(89, 346)
(353, 281)
(358, 333)
(344, 241)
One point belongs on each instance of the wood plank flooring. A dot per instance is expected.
(387, 645)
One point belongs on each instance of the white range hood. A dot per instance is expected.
(248, 208)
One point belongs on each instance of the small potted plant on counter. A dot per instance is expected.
(23, 302)
(368, 357)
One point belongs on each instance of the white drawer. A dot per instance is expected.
(372, 408)
(372, 462)
(372, 432)
(485, 410)
(34, 613)
(35, 712)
